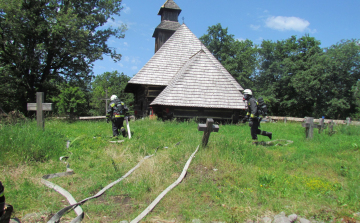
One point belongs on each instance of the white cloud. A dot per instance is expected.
(134, 68)
(121, 65)
(254, 27)
(287, 23)
(126, 44)
(126, 9)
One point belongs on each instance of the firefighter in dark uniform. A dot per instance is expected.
(2, 200)
(5, 209)
(116, 113)
(253, 116)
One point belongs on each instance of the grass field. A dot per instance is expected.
(231, 180)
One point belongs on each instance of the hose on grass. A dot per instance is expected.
(73, 204)
(157, 200)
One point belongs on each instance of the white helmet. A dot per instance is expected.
(113, 97)
(247, 91)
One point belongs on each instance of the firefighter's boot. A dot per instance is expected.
(123, 132)
(268, 134)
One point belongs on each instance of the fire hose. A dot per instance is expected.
(73, 204)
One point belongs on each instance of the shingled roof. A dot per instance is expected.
(201, 83)
(172, 56)
(169, 4)
(167, 25)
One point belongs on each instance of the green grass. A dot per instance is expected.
(230, 180)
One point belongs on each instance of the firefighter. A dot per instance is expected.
(5, 209)
(253, 116)
(116, 113)
(2, 200)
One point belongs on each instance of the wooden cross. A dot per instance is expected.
(106, 100)
(321, 126)
(207, 128)
(39, 107)
(348, 120)
(309, 125)
(331, 127)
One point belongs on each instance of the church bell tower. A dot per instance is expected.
(169, 12)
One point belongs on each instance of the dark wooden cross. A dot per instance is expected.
(331, 127)
(207, 128)
(321, 126)
(39, 107)
(310, 125)
(106, 100)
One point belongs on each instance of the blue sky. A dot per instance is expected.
(328, 21)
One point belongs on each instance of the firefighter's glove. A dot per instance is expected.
(251, 122)
(245, 119)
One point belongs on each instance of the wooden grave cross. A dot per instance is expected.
(207, 128)
(39, 107)
(106, 100)
(321, 126)
(310, 125)
(331, 127)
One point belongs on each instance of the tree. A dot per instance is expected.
(287, 77)
(238, 57)
(114, 83)
(342, 70)
(44, 43)
(71, 100)
(218, 42)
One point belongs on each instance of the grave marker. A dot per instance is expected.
(321, 126)
(207, 128)
(39, 107)
(106, 100)
(331, 127)
(310, 125)
(348, 120)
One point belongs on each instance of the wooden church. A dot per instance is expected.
(183, 79)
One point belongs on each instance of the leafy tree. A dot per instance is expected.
(342, 73)
(286, 78)
(71, 100)
(219, 42)
(114, 83)
(45, 43)
(238, 57)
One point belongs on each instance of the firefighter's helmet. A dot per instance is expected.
(113, 97)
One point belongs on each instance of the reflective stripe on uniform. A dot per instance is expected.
(112, 105)
(119, 116)
(252, 115)
(248, 113)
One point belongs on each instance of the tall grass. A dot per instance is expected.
(230, 180)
